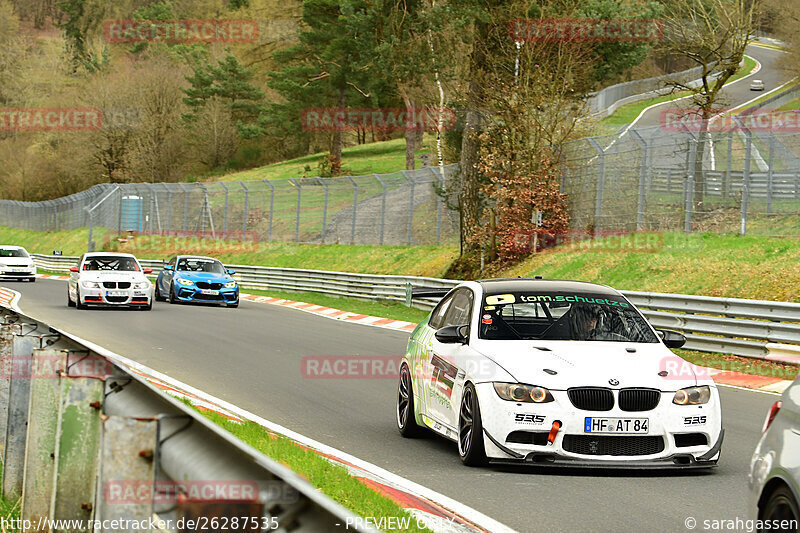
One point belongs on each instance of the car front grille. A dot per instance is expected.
(117, 285)
(539, 438)
(116, 299)
(201, 296)
(685, 440)
(638, 399)
(613, 445)
(591, 398)
(206, 285)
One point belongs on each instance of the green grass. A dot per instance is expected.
(628, 113)
(429, 261)
(766, 268)
(9, 510)
(744, 365)
(382, 308)
(373, 158)
(331, 479)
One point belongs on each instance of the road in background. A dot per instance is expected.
(251, 357)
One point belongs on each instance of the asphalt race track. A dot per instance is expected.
(739, 92)
(251, 357)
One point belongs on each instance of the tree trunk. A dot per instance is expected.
(469, 200)
(411, 135)
(336, 144)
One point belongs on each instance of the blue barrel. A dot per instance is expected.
(131, 213)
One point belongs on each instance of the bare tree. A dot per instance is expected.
(713, 35)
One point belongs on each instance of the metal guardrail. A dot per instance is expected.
(728, 325)
(85, 437)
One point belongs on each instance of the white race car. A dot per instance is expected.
(15, 263)
(110, 279)
(555, 372)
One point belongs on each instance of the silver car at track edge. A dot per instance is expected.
(775, 466)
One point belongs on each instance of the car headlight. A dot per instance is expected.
(230, 285)
(692, 395)
(185, 281)
(90, 285)
(142, 285)
(516, 392)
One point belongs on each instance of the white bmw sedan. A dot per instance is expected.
(16, 263)
(109, 279)
(554, 372)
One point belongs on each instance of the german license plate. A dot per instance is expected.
(209, 291)
(19, 270)
(116, 293)
(617, 426)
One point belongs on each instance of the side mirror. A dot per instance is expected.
(672, 339)
(453, 334)
(147, 270)
(168, 267)
(73, 269)
(231, 271)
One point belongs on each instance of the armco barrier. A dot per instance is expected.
(87, 438)
(727, 325)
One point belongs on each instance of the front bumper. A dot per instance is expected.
(192, 293)
(17, 273)
(677, 436)
(117, 297)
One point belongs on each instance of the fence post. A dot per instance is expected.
(169, 207)
(225, 213)
(271, 204)
(324, 207)
(355, 210)
(598, 202)
(642, 179)
(244, 214)
(185, 205)
(297, 209)
(770, 171)
(726, 187)
(437, 172)
(410, 205)
(746, 180)
(689, 193)
(383, 205)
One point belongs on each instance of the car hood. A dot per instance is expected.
(209, 277)
(112, 275)
(16, 261)
(564, 364)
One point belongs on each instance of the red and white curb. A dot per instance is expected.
(336, 314)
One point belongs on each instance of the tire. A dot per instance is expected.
(70, 303)
(158, 296)
(470, 429)
(781, 505)
(32, 280)
(148, 307)
(234, 305)
(172, 298)
(404, 412)
(78, 303)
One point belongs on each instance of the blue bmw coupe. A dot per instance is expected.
(189, 278)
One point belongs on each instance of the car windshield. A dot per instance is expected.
(13, 252)
(110, 263)
(200, 265)
(562, 317)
